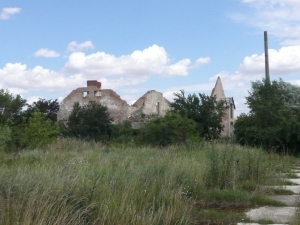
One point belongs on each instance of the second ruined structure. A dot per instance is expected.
(229, 107)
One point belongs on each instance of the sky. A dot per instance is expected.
(49, 48)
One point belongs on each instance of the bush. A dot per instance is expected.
(274, 118)
(91, 122)
(168, 130)
(5, 136)
(39, 131)
(122, 132)
(206, 111)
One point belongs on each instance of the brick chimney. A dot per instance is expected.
(94, 83)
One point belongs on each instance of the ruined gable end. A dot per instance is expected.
(229, 107)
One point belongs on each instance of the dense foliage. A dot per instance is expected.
(274, 118)
(168, 130)
(48, 107)
(122, 132)
(5, 136)
(23, 125)
(10, 108)
(39, 131)
(206, 111)
(91, 122)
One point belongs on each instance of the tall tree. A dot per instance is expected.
(206, 111)
(10, 108)
(39, 131)
(48, 107)
(274, 118)
(90, 122)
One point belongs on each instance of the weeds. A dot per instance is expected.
(75, 182)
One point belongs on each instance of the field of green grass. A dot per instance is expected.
(75, 182)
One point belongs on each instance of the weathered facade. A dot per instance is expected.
(151, 103)
(229, 107)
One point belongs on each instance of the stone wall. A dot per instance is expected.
(152, 103)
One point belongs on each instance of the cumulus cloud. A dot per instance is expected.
(281, 18)
(112, 71)
(20, 80)
(44, 52)
(18, 76)
(284, 61)
(74, 46)
(153, 60)
(6, 13)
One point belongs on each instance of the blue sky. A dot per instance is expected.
(49, 48)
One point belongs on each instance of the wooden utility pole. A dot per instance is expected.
(266, 57)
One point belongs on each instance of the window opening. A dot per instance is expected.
(85, 94)
(97, 93)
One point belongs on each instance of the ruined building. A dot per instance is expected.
(229, 107)
(151, 104)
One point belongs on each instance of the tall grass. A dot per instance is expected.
(74, 182)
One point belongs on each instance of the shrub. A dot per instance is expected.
(170, 129)
(91, 122)
(274, 118)
(5, 136)
(39, 131)
(122, 132)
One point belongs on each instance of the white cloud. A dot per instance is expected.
(16, 76)
(6, 13)
(113, 72)
(18, 79)
(153, 60)
(32, 99)
(284, 61)
(202, 61)
(281, 18)
(44, 52)
(74, 46)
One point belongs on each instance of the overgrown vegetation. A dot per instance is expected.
(110, 174)
(76, 182)
(89, 122)
(169, 130)
(26, 126)
(206, 111)
(274, 118)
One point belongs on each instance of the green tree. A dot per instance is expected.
(273, 121)
(48, 107)
(122, 132)
(91, 121)
(10, 108)
(39, 131)
(206, 111)
(170, 129)
(5, 136)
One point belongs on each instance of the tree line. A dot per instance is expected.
(273, 121)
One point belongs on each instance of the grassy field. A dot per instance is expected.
(75, 182)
